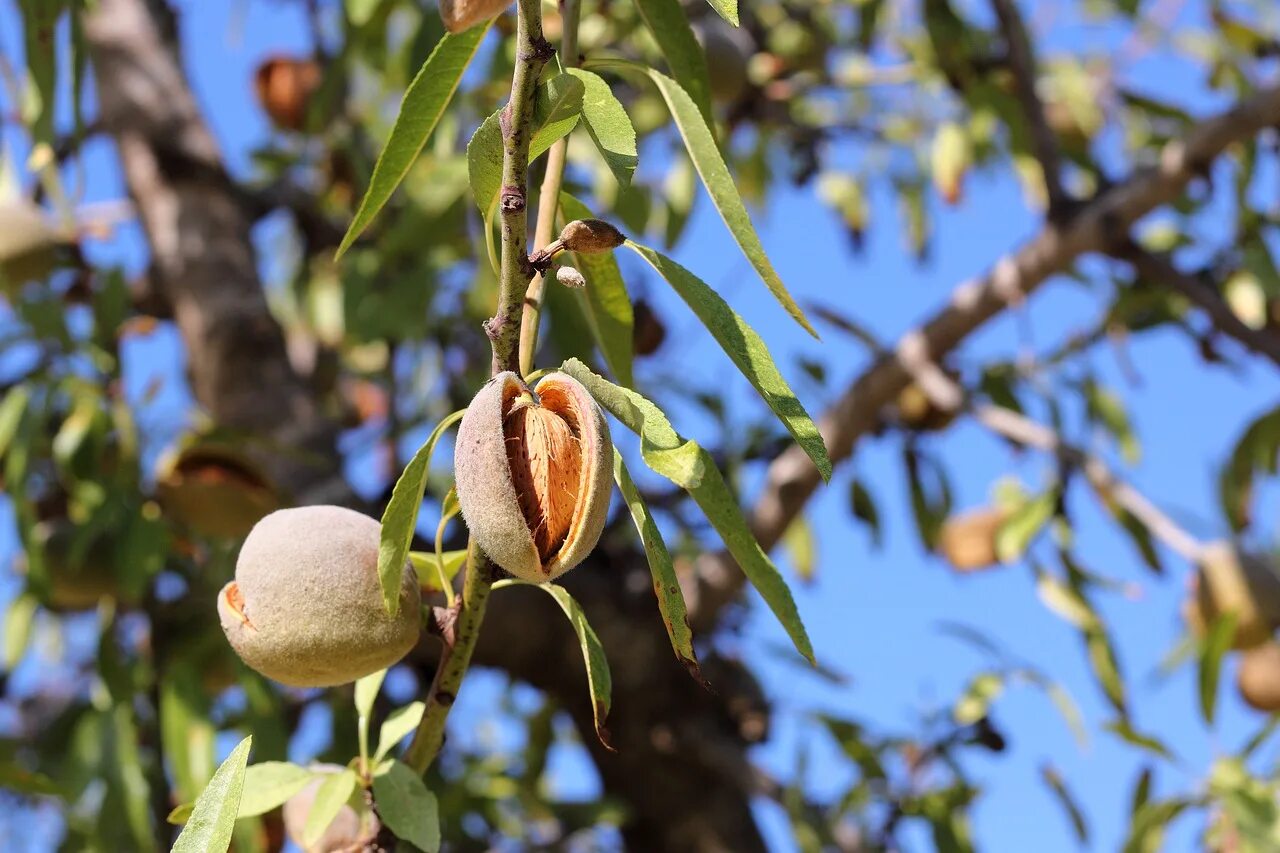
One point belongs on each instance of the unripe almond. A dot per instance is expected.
(306, 605)
(1258, 678)
(215, 491)
(1230, 581)
(968, 540)
(534, 473)
(460, 15)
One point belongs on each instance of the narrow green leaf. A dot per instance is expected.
(1213, 648)
(1127, 733)
(718, 181)
(269, 784)
(11, 411)
(332, 794)
(18, 621)
(609, 125)
(1017, 533)
(801, 547)
(213, 817)
(863, 507)
(745, 349)
(14, 777)
(598, 679)
(604, 300)
(366, 692)
(691, 468)
(976, 701)
(424, 102)
(727, 9)
(407, 808)
(666, 585)
(556, 113)
(396, 727)
(1053, 779)
(401, 516)
(1102, 657)
(686, 59)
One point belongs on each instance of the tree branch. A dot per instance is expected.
(792, 479)
(1160, 270)
(1043, 140)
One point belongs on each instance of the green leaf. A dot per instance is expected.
(331, 796)
(556, 112)
(18, 621)
(406, 806)
(666, 585)
(428, 569)
(1102, 657)
(719, 182)
(213, 817)
(1127, 733)
(1213, 648)
(604, 300)
(1020, 529)
(401, 516)
(1107, 409)
(745, 349)
(366, 693)
(609, 125)
(863, 507)
(269, 784)
(599, 682)
(185, 730)
(396, 727)
(1058, 787)
(424, 102)
(801, 547)
(14, 777)
(978, 696)
(691, 468)
(11, 411)
(727, 9)
(685, 57)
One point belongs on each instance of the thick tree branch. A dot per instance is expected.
(1160, 270)
(1043, 140)
(792, 479)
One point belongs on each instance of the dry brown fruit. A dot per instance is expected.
(1258, 678)
(968, 540)
(306, 606)
(1229, 580)
(286, 88)
(460, 15)
(350, 830)
(534, 473)
(214, 491)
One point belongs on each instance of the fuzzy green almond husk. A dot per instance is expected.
(486, 491)
(306, 607)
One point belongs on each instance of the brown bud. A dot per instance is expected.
(306, 606)
(647, 331)
(968, 540)
(534, 473)
(591, 236)
(460, 15)
(214, 490)
(286, 87)
(1230, 581)
(1258, 678)
(570, 277)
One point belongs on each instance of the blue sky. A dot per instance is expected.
(874, 614)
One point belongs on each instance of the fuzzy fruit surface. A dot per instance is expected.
(306, 606)
(534, 471)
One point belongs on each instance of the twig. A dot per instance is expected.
(1160, 270)
(460, 625)
(548, 198)
(1043, 140)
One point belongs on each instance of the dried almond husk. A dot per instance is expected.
(968, 540)
(534, 472)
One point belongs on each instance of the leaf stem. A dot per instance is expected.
(548, 198)
(503, 329)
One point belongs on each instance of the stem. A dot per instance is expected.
(453, 662)
(515, 271)
(503, 329)
(548, 197)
